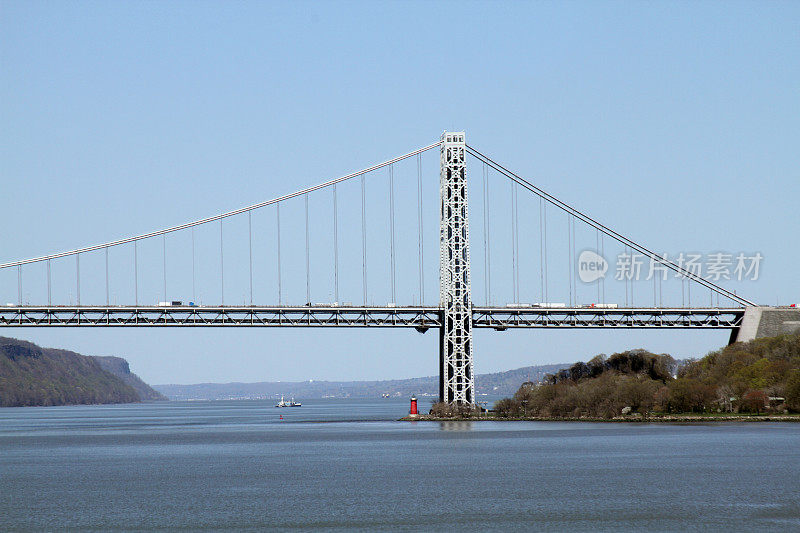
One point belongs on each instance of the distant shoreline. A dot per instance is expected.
(665, 419)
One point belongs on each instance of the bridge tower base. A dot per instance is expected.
(766, 322)
(456, 379)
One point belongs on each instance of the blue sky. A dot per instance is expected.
(674, 123)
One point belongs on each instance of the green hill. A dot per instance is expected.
(759, 376)
(31, 375)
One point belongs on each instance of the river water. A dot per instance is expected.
(348, 465)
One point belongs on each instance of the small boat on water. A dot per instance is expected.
(290, 403)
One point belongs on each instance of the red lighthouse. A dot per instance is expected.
(413, 410)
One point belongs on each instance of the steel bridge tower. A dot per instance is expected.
(456, 380)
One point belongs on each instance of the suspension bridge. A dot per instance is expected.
(541, 268)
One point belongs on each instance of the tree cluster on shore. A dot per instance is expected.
(755, 377)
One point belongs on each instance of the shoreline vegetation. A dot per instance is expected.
(652, 418)
(744, 382)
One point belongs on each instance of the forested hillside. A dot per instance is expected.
(31, 375)
(758, 376)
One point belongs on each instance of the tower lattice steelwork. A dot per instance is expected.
(456, 380)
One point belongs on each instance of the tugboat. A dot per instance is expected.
(291, 403)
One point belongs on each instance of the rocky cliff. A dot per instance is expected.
(120, 368)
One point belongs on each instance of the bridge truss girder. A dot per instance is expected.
(678, 318)
(421, 318)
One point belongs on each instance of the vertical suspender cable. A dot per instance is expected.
(49, 284)
(597, 249)
(335, 248)
(308, 262)
(513, 249)
(485, 240)
(625, 279)
(107, 292)
(278, 217)
(541, 252)
(574, 262)
(655, 284)
(628, 278)
(364, 237)
(194, 298)
(77, 277)
(419, 232)
(136, 272)
(569, 256)
(19, 284)
(544, 226)
(221, 267)
(391, 229)
(488, 242)
(164, 257)
(632, 276)
(603, 279)
(250, 243)
(516, 236)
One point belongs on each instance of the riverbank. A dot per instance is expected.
(636, 418)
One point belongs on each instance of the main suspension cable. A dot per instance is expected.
(222, 215)
(608, 231)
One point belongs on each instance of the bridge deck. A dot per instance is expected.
(421, 318)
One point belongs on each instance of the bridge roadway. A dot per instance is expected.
(420, 318)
